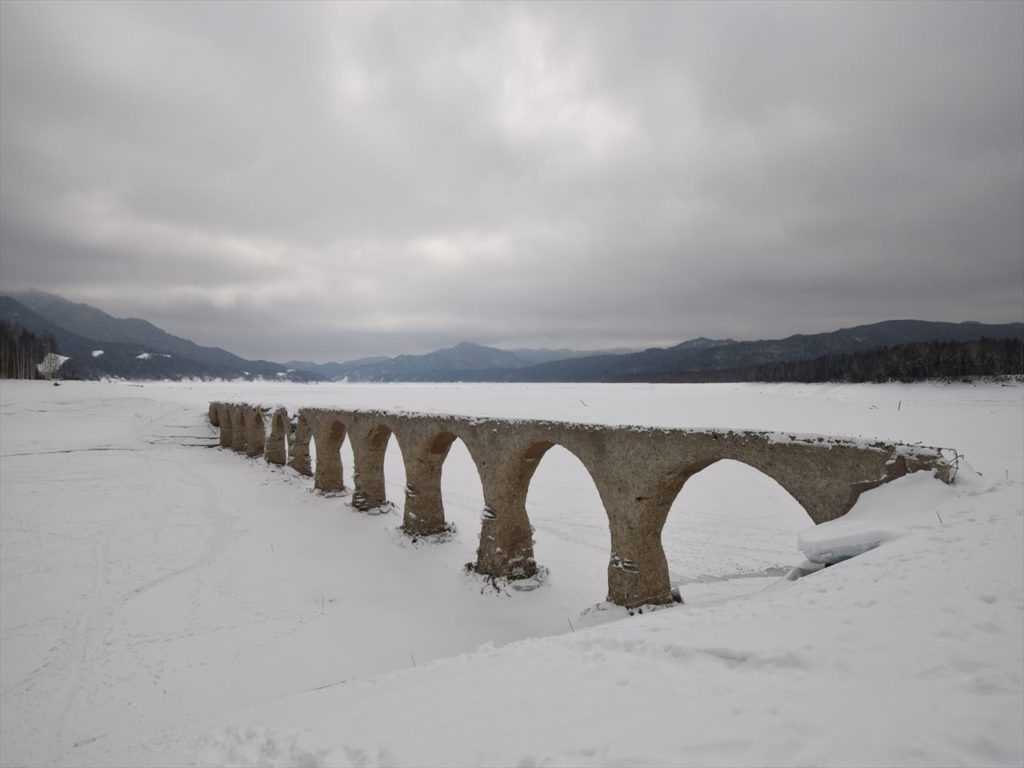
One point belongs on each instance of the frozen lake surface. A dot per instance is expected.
(166, 602)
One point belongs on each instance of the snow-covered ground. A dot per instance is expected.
(166, 602)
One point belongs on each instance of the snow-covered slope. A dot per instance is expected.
(165, 602)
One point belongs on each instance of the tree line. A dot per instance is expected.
(905, 362)
(21, 351)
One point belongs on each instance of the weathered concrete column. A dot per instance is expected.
(506, 460)
(368, 449)
(256, 433)
(424, 510)
(224, 417)
(238, 429)
(328, 476)
(506, 537)
(635, 479)
(298, 447)
(276, 450)
(637, 568)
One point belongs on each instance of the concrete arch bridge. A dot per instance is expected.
(637, 471)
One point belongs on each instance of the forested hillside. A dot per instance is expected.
(21, 352)
(904, 362)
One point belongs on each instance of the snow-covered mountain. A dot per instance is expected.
(131, 347)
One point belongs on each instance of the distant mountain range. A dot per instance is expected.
(706, 355)
(101, 345)
(463, 362)
(685, 361)
(448, 364)
(334, 371)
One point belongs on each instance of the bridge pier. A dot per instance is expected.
(506, 536)
(276, 450)
(224, 420)
(256, 433)
(637, 568)
(238, 428)
(424, 511)
(327, 477)
(369, 447)
(298, 447)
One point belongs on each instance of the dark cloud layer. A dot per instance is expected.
(333, 180)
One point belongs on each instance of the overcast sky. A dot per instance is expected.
(330, 181)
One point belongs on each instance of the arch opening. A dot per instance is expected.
(731, 530)
(394, 470)
(462, 494)
(571, 536)
(348, 464)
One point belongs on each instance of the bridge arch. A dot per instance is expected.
(568, 521)
(529, 459)
(506, 535)
(424, 453)
(819, 482)
(731, 519)
(676, 480)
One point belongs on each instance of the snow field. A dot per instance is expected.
(169, 603)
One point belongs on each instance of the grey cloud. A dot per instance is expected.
(327, 181)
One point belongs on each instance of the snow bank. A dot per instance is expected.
(908, 503)
(908, 655)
